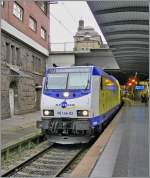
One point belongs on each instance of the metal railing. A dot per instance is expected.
(66, 46)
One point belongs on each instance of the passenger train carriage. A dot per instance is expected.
(77, 100)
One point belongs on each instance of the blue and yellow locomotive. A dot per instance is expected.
(77, 100)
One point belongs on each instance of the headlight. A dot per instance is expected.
(48, 112)
(85, 113)
(66, 94)
(82, 113)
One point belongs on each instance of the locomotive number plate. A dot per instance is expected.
(64, 113)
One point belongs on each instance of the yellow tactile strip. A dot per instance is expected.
(85, 167)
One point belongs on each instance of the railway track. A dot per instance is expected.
(50, 162)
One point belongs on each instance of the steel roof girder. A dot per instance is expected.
(122, 9)
(126, 36)
(132, 61)
(131, 53)
(131, 57)
(130, 50)
(138, 66)
(124, 22)
(129, 39)
(143, 32)
(129, 45)
(128, 42)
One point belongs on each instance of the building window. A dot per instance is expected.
(2, 3)
(7, 52)
(18, 11)
(18, 57)
(32, 23)
(33, 63)
(43, 33)
(12, 54)
(43, 6)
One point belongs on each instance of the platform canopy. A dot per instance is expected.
(125, 25)
(101, 58)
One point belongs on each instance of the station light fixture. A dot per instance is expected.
(132, 81)
(129, 84)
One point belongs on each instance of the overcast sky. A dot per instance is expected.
(64, 17)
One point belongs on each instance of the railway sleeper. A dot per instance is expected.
(46, 166)
(43, 172)
(62, 153)
(61, 157)
(23, 174)
(34, 169)
(44, 161)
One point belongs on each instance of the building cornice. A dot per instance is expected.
(22, 37)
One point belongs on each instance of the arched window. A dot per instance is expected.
(38, 89)
(13, 97)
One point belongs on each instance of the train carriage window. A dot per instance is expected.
(108, 84)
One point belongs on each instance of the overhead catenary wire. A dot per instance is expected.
(61, 23)
(70, 14)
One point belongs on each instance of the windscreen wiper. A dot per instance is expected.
(88, 82)
(67, 81)
(46, 82)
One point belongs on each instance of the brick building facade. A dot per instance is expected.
(24, 51)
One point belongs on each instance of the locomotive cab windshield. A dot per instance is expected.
(69, 81)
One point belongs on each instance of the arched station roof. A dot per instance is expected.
(125, 25)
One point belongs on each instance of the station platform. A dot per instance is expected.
(127, 152)
(19, 127)
(122, 152)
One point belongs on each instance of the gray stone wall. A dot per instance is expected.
(29, 62)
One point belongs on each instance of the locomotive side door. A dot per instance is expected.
(102, 99)
(95, 95)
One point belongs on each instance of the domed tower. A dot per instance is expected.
(81, 25)
(86, 38)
